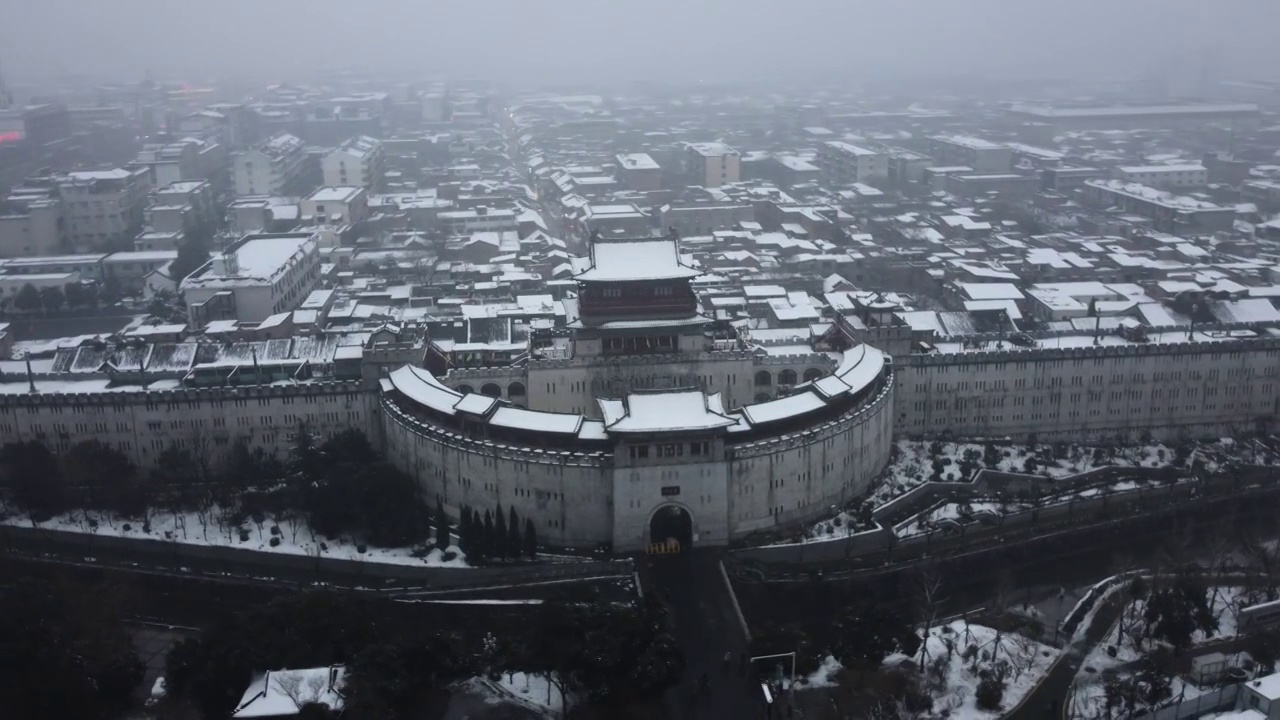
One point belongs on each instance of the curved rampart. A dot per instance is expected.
(783, 460)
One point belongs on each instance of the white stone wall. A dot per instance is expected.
(1188, 389)
(570, 504)
(789, 480)
(704, 494)
(576, 500)
(143, 424)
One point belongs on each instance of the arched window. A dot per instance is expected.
(466, 389)
(762, 397)
(491, 389)
(764, 379)
(787, 377)
(812, 374)
(515, 389)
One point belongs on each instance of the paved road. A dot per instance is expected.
(1046, 699)
(706, 626)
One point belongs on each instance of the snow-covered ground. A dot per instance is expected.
(824, 676)
(913, 466)
(293, 535)
(533, 690)
(1223, 603)
(958, 512)
(952, 680)
(1089, 695)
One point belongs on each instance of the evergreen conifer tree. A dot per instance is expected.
(513, 535)
(530, 539)
(500, 548)
(486, 535)
(442, 527)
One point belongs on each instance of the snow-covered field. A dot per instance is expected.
(956, 654)
(293, 536)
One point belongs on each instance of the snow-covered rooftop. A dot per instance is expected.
(334, 194)
(623, 260)
(712, 149)
(1184, 168)
(674, 411)
(258, 259)
(637, 161)
(1130, 110)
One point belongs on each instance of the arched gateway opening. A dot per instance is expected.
(671, 522)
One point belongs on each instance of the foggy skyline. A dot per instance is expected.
(662, 40)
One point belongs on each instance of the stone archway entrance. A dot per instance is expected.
(671, 523)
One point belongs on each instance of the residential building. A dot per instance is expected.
(465, 222)
(11, 285)
(613, 220)
(982, 155)
(1164, 177)
(907, 166)
(269, 169)
(155, 240)
(186, 207)
(711, 164)
(45, 123)
(130, 269)
(32, 223)
(259, 276)
(358, 162)
(640, 172)
(104, 207)
(844, 164)
(1014, 187)
(704, 219)
(1169, 212)
(792, 170)
(1067, 178)
(335, 206)
(185, 160)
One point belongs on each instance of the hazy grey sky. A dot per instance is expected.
(651, 39)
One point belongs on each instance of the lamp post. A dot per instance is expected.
(792, 689)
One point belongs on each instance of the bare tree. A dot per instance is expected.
(928, 586)
(300, 689)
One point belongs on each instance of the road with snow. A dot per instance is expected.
(706, 625)
(1047, 698)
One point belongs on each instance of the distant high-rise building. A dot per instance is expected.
(712, 164)
(358, 162)
(270, 168)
